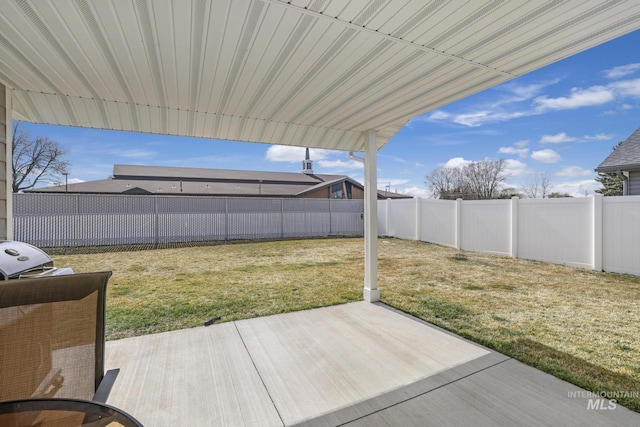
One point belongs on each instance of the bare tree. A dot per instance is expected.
(35, 159)
(538, 186)
(485, 178)
(444, 182)
(477, 180)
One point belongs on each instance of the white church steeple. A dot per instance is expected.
(306, 164)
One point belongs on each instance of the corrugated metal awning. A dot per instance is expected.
(303, 72)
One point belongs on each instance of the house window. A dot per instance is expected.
(336, 191)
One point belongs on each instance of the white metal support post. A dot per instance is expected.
(459, 224)
(371, 292)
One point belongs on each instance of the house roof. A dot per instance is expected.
(168, 172)
(624, 157)
(175, 187)
(137, 179)
(294, 72)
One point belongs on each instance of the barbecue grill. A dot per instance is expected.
(19, 259)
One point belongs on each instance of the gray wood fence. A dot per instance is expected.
(63, 220)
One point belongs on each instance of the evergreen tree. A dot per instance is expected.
(611, 184)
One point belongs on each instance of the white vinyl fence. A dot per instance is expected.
(60, 220)
(600, 233)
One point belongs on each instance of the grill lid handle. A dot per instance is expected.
(12, 252)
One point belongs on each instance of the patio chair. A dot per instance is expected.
(52, 333)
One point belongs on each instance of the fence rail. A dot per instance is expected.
(61, 220)
(600, 233)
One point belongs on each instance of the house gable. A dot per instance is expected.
(625, 157)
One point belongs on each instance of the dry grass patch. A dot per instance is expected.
(577, 324)
(166, 289)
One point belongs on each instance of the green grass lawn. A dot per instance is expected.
(579, 325)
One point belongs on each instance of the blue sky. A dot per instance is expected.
(563, 119)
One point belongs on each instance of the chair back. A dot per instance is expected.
(52, 332)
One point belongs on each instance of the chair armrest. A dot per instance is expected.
(102, 393)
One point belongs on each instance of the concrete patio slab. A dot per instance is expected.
(352, 364)
(316, 362)
(506, 394)
(192, 377)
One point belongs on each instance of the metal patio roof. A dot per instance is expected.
(312, 73)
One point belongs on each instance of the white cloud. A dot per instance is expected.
(281, 153)
(591, 96)
(477, 118)
(519, 148)
(62, 182)
(391, 184)
(134, 154)
(393, 158)
(598, 137)
(326, 159)
(339, 164)
(595, 95)
(627, 87)
(515, 167)
(521, 144)
(620, 107)
(504, 108)
(414, 191)
(522, 152)
(472, 119)
(439, 115)
(524, 92)
(457, 162)
(284, 153)
(621, 71)
(581, 188)
(573, 172)
(545, 156)
(556, 139)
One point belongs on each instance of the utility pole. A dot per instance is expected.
(66, 181)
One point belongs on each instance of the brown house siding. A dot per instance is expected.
(325, 193)
(357, 193)
(322, 193)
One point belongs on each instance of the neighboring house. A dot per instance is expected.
(141, 180)
(625, 162)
